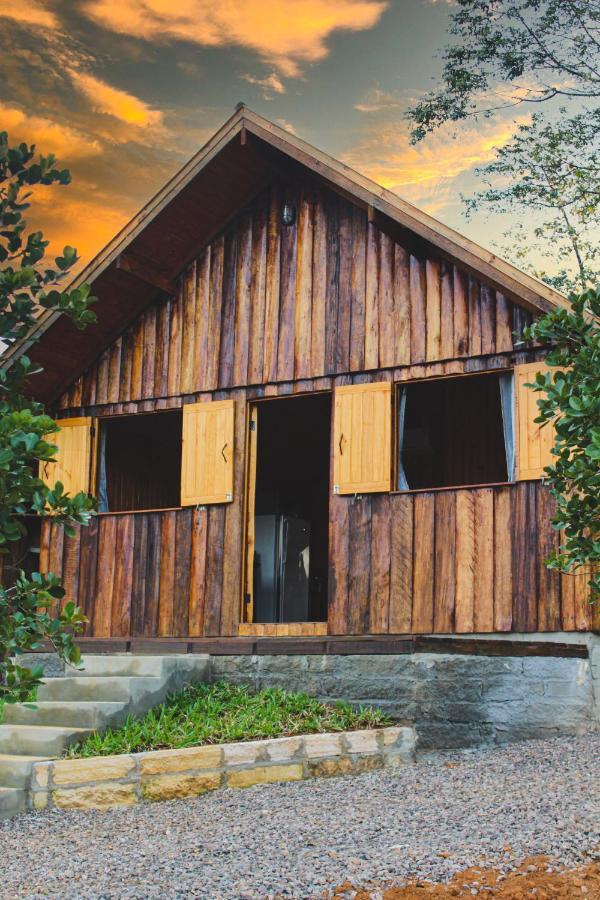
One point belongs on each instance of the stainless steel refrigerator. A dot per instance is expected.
(281, 569)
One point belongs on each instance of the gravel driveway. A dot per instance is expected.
(301, 839)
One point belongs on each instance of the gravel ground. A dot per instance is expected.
(302, 839)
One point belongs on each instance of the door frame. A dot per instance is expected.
(251, 451)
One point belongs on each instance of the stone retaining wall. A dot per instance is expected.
(104, 782)
(453, 700)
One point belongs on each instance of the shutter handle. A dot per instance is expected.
(341, 444)
(223, 451)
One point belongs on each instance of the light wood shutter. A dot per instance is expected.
(73, 464)
(362, 438)
(533, 441)
(207, 460)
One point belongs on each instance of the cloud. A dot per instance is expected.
(386, 155)
(288, 35)
(49, 136)
(376, 100)
(286, 125)
(270, 84)
(114, 102)
(33, 12)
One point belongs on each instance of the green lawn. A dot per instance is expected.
(220, 713)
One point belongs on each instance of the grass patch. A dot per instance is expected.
(220, 713)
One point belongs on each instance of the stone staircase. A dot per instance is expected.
(102, 694)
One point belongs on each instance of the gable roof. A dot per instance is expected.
(239, 160)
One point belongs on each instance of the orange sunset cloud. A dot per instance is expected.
(31, 13)
(286, 34)
(115, 102)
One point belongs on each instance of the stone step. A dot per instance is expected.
(12, 801)
(38, 740)
(112, 688)
(15, 771)
(94, 714)
(126, 664)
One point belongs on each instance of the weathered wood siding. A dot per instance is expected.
(451, 561)
(268, 303)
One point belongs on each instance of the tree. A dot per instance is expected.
(27, 288)
(570, 396)
(531, 53)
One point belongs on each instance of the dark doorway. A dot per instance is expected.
(291, 512)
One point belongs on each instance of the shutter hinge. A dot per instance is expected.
(336, 489)
(228, 497)
(252, 425)
(93, 430)
(247, 598)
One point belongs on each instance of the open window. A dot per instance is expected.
(456, 431)
(139, 462)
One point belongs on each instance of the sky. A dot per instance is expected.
(125, 91)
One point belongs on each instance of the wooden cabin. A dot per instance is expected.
(303, 411)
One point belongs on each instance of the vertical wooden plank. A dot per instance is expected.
(243, 287)
(483, 603)
(258, 288)
(152, 585)
(371, 298)
(203, 321)
(303, 311)
(445, 568)
(338, 616)
(88, 556)
(149, 352)
(102, 379)
(188, 329)
(234, 530)
(359, 568)
(214, 316)
(70, 574)
(167, 574)
(379, 600)
(418, 315)
(358, 290)
(461, 313)
(161, 369)
(524, 557)
(504, 339)
(401, 574)
(287, 301)
(107, 535)
(401, 306)
(198, 572)
(121, 605)
(434, 309)
(175, 341)
(126, 365)
(583, 608)
(474, 316)
(319, 287)
(548, 581)
(332, 281)
(45, 539)
(214, 570)
(488, 319)
(567, 601)
(465, 561)
(181, 592)
(228, 311)
(136, 360)
(273, 278)
(423, 564)
(344, 308)
(503, 536)
(114, 372)
(387, 348)
(138, 582)
(89, 386)
(447, 311)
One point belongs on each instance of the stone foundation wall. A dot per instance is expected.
(453, 700)
(105, 782)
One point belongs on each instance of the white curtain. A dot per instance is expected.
(402, 481)
(507, 400)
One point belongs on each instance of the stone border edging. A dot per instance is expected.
(106, 782)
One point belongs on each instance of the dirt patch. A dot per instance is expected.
(535, 878)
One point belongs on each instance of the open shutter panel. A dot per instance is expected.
(534, 442)
(73, 463)
(207, 462)
(362, 438)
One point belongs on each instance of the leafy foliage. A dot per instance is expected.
(221, 712)
(518, 53)
(28, 287)
(571, 396)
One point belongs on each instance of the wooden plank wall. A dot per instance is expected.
(452, 561)
(269, 303)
